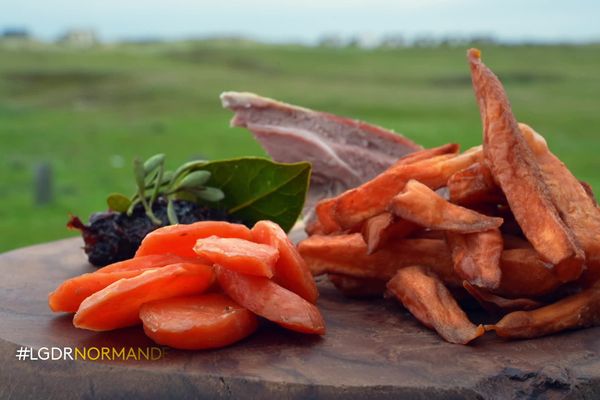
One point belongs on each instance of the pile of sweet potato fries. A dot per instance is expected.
(506, 223)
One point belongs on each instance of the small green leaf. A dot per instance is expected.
(140, 175)
(188, 166)
(167, 176)
(153, 162)
(210, 194)
(258, 188)
(171, 214)
(194, 180)
(118, 202)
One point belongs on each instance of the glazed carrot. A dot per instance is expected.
(238, 255)
(271, 301)
(146, 262)
(118, 305)
(180, 239)
(290, 271)
(206, 321)
(69, 295)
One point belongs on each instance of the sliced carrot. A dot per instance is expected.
(290, 271)
(69, 295)
(205, 321)
(238, 255)
(180, 239)
(118, 305)
(271, 301)
(146, 262)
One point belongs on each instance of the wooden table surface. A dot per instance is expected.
(372, 350)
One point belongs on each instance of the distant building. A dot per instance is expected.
(79, 38)
(16, 33)
(393, 41)
(332, 40)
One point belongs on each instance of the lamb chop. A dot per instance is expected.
(343, 152)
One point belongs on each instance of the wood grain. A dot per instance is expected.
(373, 349)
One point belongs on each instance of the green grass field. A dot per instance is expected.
(90, 112)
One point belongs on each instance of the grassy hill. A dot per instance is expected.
(88, 113)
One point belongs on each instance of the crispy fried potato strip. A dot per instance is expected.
(325, 209)
(476, 256)
(428, 300)
(347, 254)
(377, 230)
(515, 169)
(421, 205)
(371, 198)
(590, 192)
(574, 204)
(576, 311)
(497, 304)
(359, 288)
(474, 185)
(524, 274)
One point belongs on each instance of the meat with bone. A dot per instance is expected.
(343, 152)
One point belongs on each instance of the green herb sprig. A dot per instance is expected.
(152, 181)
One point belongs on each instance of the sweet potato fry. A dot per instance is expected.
(428, 234)
(326, 209)
(496, 304)
(474, 185)
(347, 254)
(514, 167)
(524, 274)
(515, 242)
(360, 288)
(590, 192)
(426, 297)
(377, 230)
(476, 256)
(574, 204)
(325, 212)
(425, 154)
(421, 205)
(576, 311)
(371, 198)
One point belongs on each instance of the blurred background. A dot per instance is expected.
(85, 87)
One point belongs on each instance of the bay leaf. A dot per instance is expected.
(257, 188)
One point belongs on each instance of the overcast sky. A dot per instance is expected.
(307, 20)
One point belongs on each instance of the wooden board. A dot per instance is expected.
(373, 349)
